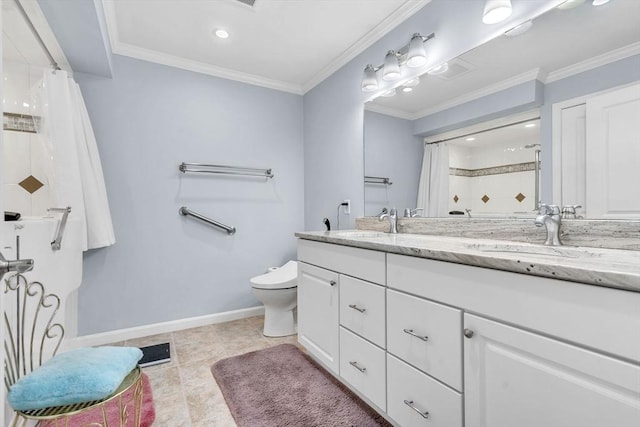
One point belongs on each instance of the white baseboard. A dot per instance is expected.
(159, 328)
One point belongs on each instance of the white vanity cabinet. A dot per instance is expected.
(470, 346)
(518, 378)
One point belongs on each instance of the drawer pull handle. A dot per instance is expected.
(359, 368)
(412, 333)
(356, 308)
(332, 282)
(410, 404)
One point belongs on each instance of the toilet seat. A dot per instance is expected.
(285, 277)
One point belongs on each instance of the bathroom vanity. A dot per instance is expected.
(448, 331)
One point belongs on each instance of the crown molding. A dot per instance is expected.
(407, 9)
(595, 62)
(485, 91)
(203, 68)
(402, 13)
(388, 111)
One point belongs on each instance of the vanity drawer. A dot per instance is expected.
(427, 335)
(363, 263)
(408, 386)
(362, 309)
(363, 366)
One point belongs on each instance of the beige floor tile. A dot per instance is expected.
(164, 382)
(205, 402)
(171, 411)
(197, 373)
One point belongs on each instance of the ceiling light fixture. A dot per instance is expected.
(530, 125)
(223, 34)
(496, 11)
(470, 139)
(370, 79)
(407, 89)
(412, 55)
(599, 2)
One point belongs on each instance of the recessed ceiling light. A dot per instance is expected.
(599, 2)
(470, 139)
(223, 34)
(407, 89)
(438, 69)
(530, 125)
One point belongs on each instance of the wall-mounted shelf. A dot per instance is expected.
(224, 170)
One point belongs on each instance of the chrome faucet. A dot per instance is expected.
(569, 211)
(411, 213)
(550, 217)
(392, 216)
(19, 266)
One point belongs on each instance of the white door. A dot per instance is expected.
(573, 152)
(518, 378)
(318, 326)
(613, 154)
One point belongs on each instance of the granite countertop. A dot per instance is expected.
(615, 268)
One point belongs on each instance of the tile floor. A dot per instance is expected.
(184, 391)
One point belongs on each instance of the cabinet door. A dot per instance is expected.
(518, 378)
(318, 313)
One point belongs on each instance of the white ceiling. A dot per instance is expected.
(560, 43)
(289, 45)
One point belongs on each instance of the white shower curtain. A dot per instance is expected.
(74, 168)
(433, 188)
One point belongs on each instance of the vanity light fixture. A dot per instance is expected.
(370, 80)
(412, 55)
(417, 55)
(391, 70)
(223, 34)
(496, 11)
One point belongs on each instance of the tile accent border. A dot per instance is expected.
(159, 328)
(20, 122)
(494, 170)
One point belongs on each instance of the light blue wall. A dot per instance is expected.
(148, 119)
(391, 150)
(333, 110)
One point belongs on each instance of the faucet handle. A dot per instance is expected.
(570, 209)
(549, 209)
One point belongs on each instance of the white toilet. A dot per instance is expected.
(278, 290)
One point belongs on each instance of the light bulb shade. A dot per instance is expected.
(370, 79)
(496, 11)
(391, 69)
(417, 55)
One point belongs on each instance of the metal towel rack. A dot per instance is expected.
(184, 211)
(224, 170)
(57, 242)
(377, 180)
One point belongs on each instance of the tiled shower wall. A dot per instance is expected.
(494, 179)
(26, 188)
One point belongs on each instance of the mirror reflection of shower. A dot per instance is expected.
(491, 171)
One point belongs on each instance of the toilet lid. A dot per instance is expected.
(283, 278)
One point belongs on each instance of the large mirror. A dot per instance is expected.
(493, 166)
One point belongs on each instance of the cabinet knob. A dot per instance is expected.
(468, 333)
(332, 282)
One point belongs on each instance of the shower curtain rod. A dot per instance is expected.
(53, 62)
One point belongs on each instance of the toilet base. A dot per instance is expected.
(279, 323)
